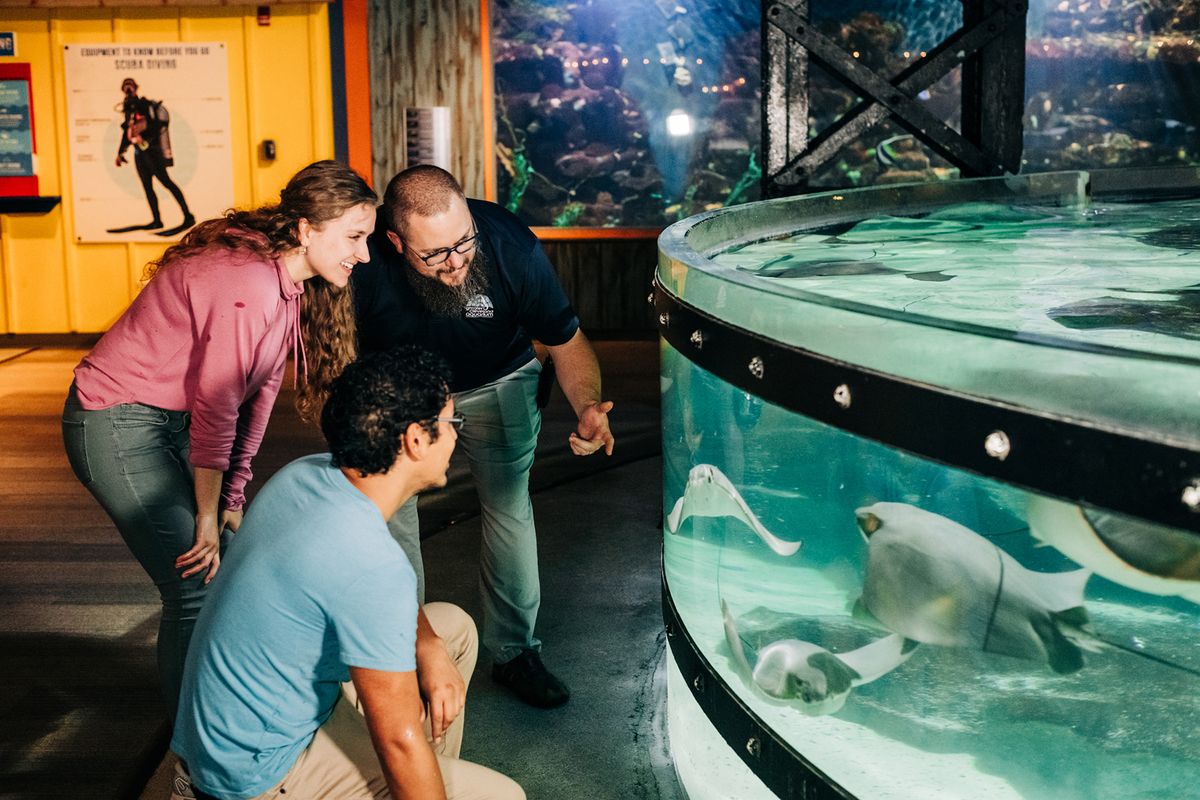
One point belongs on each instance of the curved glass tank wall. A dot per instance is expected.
(931, 491)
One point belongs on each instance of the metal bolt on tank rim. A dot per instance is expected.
(1191, 495)
(754, 746)
(997, 445)
(841, 396)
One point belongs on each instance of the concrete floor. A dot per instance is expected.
(76, 666)
(601, 627)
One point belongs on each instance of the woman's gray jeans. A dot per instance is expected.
(133, 458)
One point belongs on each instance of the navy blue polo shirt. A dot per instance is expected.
(481, 344)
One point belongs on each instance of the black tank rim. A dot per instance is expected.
(1069, 459)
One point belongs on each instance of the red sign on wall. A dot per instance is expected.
(18, 147)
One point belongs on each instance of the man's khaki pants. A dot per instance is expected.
(341, 764)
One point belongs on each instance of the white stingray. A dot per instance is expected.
(710, 494)
(937, 582)
(816, 680)
(1148, 558)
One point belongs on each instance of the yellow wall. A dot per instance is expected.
(279, 88)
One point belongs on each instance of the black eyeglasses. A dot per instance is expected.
(439, 257)
(458, 420)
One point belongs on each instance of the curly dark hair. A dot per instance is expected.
(375, 399)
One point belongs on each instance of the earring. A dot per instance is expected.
(303, 250)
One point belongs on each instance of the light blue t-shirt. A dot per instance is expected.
(311, 585)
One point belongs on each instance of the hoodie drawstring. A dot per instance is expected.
(299, 356)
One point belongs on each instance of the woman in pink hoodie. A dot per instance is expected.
(169, 408)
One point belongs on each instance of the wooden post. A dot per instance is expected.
(784, 105)
(993, 87)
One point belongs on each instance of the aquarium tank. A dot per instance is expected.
(1108, 83)
(610, 113)
(931, 490)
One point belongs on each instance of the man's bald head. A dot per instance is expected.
(423, 191)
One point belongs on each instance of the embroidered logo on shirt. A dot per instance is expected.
(479, 307)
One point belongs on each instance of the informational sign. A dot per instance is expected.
(8, 44)
(16, 129)
(18, 141)
(149, 138)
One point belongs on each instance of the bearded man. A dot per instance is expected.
(467, 280)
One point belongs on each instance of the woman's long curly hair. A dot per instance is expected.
(319, 193)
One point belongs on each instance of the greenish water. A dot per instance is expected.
(962, 718)
(1125, 276)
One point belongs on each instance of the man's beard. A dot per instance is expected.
(449, 301)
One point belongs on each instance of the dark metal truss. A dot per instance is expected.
(990, 46)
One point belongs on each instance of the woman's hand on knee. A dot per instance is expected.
(206, 550)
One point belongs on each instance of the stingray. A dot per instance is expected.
(1179, 237)
(933, 275)
(781, 268)
(936, 582)
(1128, 551)
(814, 679)
(1178, 316)
(710, 494)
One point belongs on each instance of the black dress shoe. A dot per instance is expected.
(529, 680)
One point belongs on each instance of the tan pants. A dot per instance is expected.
(340, 763)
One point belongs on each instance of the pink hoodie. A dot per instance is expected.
(209, 334)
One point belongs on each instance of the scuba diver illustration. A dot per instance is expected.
(145, 127)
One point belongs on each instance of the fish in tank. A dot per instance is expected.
(1003, 666)
(912, 628)
(611, 113)
(617, 115)
(1098, 274)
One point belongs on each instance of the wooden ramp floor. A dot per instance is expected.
(80, 713)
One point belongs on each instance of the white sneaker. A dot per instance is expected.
(181, 783)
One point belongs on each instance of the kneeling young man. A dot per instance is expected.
(315, 592)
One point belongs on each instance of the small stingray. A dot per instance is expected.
(781, 268)
(1128, 551)
(936, 582)
(933, 275)
(817, 680)
(1179, 237)
(710, 494)
(1178, 317)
